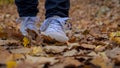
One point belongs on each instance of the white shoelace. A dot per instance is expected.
(27, 23)
(59, 20)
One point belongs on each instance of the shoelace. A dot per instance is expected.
(60, 20)
(25, 21)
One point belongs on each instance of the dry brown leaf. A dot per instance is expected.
(67, 62)
(54, 49)
(102, 11)
(58, 65)
(21, 50)
(99, 17)
(101, 62)
(4, 42)
(73, 45)
(3, 56)
(104, 56)
(16, 57)
(28, 65)
(3, 35)
(71, 61)
(117, 59)
(100, 48)
(92, 54)
(89, 46)
(72, 39)
(113, 53)
(82, 52)
(41, 60)
(78, 36)
(95, 32)
(70, 53)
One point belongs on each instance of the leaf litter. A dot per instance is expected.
(94, 39)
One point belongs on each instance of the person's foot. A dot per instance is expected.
(54, 27)
(28, 23)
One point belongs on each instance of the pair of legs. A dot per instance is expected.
(56, 15)
(53, 7)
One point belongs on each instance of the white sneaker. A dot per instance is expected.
(28, 23)
(54, 28)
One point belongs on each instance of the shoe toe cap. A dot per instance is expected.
(57, 36)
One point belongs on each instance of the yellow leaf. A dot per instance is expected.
(115, 36)
(11, 64)
(117, 39)
(112, 35)
(25, 41)
(118, 33)
(36, 50)
(1, 29)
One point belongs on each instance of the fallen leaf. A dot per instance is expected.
(89, 46)
(117, 59)
(70, 53)
(92, 54)
(41, 60)
(86, 32)
(26, 41)
(3, 35)
(36, 51)
(104, 56)
(113, 53)
(1, 29)
(100, 48)
(116, 39)
(112, 35)
(117, 33)
(66, 63)
(21, 50)
(11, 64)
(4, 54)
(16, 57)
(58, 65)
(101, 62)
(25, 64)
(102, 10)
(115, 36)
(55, 49)
(4, 42)
(71, 61)
(73, 45)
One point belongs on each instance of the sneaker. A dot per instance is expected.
(28, 23)
(54, 27)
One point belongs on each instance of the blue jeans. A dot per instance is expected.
(53, 8)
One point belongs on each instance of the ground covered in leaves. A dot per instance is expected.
(94, 38)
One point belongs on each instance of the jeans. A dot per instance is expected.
(53, 8)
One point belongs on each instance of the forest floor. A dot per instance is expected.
(94, 38)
